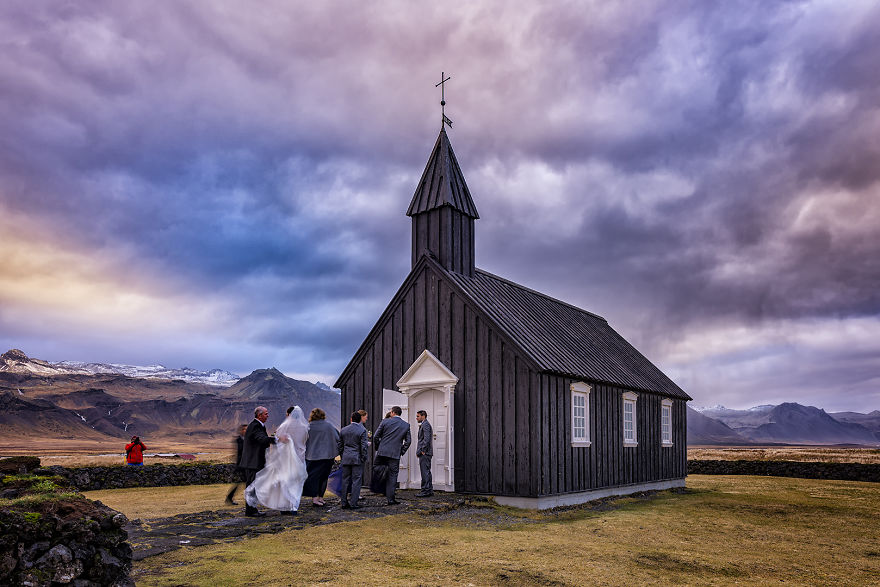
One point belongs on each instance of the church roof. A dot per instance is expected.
(562, 338)
(442, 183)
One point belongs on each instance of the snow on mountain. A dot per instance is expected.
(762, 408)
(702, 409)
(213, 377)
(721, 410)
(325, 387)
(16, 361)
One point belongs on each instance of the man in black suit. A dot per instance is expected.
(392, 439)
(253, 454)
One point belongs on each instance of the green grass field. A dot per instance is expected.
(723, 530)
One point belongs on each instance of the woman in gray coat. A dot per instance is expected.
(321, 450)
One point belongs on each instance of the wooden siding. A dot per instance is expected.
(606, 462)
(512, 422)
(448, 235)
(491, 450)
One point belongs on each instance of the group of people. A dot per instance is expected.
(303, 454)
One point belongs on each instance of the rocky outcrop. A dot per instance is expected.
(71, 541)
(116, 477)
(51, 535)
(804, 470)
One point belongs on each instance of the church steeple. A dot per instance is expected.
(443, 212)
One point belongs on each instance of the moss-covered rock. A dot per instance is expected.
(50, 534)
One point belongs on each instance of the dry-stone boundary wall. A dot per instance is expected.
(804, 470)
(159, 475)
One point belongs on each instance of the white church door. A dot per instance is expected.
(433, 401)
(429, 385)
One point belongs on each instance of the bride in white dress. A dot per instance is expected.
(279, 484)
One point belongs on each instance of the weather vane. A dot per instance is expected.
(442, 85)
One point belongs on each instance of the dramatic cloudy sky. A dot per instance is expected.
(223, 184)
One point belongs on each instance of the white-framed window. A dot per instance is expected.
(630, 432)
(666, 422)
(580, 414)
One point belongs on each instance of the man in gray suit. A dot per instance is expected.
(392, 439)
(425, 450)
(352, 446)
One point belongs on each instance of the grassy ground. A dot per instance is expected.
(788, 453)
(162, 502)
(722, 530)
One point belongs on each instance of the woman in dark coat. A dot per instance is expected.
(321, 450)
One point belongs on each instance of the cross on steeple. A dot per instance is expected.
(443, 212)
(443, 80)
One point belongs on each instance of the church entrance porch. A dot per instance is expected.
(427, 385)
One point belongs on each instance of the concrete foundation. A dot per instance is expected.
(553, 501)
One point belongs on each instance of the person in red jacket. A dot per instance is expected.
(134, 452)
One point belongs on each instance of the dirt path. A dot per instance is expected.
(149, 537)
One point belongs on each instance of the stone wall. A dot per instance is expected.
(116, 477)
(52, 535)
(74, 541)
(160, 475)
(840, 471)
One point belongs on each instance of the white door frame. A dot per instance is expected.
(427, 373)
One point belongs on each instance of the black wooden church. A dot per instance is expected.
(532, 400)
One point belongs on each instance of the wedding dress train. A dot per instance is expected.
(279, 484)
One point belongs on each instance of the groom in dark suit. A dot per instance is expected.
(253, 453)
(392, 439)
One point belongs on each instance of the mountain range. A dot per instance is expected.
(68, 405)
(16, 361)
(786, 423)
(69, 402)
